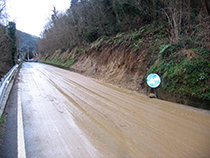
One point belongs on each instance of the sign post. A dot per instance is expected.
(153, 81)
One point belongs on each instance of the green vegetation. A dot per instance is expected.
(184, 71)
(2, 121)
(62, 59)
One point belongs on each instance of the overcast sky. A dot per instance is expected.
(32, 15)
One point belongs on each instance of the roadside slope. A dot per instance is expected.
(127, 58)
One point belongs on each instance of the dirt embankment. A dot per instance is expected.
(127, 58)
(119, 64)
(114, 64)
(122, 60)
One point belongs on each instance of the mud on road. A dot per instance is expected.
(66, 114)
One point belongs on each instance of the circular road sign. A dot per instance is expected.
(153, 80)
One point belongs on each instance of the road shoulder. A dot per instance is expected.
(8, 144)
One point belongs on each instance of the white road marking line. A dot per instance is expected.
(20, 139)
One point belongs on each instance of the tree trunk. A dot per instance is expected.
(189, 13)
(206, 4)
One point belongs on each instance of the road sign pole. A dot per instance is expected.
(153, 81)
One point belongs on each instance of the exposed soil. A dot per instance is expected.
(126, 59)
(117, 65)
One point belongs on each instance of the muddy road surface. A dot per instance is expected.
(66, 115)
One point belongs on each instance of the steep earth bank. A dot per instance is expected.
(114, 60)
(114, 64)
(126, 60)
(121, 66)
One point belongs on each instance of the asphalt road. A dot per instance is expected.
(8, 143)
(66, 114)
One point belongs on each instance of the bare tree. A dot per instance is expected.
(206, 6)
(2, 10)
(2, 6)
(173, 12)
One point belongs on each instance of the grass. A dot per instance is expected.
(2, 121)
(62, 59)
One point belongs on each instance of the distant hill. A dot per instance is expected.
(26, 41)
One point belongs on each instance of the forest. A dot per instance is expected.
(87, 20)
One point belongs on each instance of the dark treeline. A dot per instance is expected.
(86, 20)
(7, 47)
(7, 42)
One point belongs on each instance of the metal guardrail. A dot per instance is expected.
(5, 82)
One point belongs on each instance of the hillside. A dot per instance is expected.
(126, 60)
(121, 42)
(26, 41)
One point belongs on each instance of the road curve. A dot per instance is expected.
(66, 114)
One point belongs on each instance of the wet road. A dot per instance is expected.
(66, 114)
